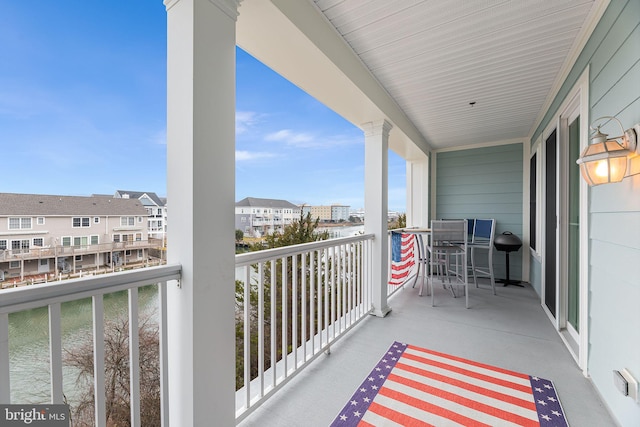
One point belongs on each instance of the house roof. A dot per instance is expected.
(138, 194)
(266, 203)
(13, 204)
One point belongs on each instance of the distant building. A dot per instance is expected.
(329, 213)
(258, 217)
(44, 234)
(339, 213)
(156, 211)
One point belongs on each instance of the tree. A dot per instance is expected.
(117, 390)
(239, 235)
(299, 231)
(400, 222)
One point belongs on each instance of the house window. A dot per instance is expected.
(3, 245)
(81, 222)
(116, 238)
(38, 241)
(139, 219)
(95, 239)
(127, 252)
(127, 221)
(159, 211)
(80, 241)
(20, 245)
(19, 223)
(96, 220)
(138, 237)
(44, 261)
(139, 253)
(78, 257)
(40, 220)
(14, 264)
(66, 241)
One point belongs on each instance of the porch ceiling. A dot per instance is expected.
(429, 59)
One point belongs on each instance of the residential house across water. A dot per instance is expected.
(257, 217)
(156, 211)
(49, 234)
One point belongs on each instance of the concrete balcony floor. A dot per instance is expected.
(509, 330)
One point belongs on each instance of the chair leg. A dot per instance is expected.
(473, 267)
(493, 278)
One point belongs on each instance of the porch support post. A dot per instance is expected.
(200, 186)
(376, 183)
(418, 192)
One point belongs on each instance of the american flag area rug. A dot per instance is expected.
(413, 386)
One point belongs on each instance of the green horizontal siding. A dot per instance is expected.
(483, 183)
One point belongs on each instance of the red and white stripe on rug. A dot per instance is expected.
(413, 386)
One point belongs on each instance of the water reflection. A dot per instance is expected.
(29, 342)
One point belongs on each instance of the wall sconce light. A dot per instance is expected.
(608, 160)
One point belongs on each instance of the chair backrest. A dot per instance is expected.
(449, 231)
(484, 231)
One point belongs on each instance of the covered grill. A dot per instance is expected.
(507, 242)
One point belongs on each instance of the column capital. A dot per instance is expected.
(378, 127)
(229, 7)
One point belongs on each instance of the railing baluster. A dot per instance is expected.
(303, 298)
(326, 295)
(247, 336)
(164, 348)
(312, 306)
(98, 361)
(339, 289)
(55, 353)
(134, 358)
(294, 311)
(5, 383)
(320, 303)
(273, 328)
(350, 281)
(333, 293)
(284, 316)
(261, 327)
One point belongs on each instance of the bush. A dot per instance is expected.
(116, 342)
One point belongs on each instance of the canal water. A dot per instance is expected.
(29, 342)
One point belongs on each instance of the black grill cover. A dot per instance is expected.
(507, 242)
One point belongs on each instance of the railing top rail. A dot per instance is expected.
(33, 296)
(268, 254)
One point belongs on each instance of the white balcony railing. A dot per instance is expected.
(299, 301)
(53, 295)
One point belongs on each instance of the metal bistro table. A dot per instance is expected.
(420, 233)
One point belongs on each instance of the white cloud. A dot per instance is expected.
(245, 120)
(290, 137)
(243, 155)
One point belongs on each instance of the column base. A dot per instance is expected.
(380, 313)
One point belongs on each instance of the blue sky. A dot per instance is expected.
(83, 111)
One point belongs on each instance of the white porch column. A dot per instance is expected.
(418, 192)
(376, 183)
(200, 189)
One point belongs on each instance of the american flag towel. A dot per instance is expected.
(413, 386)
(402, 258)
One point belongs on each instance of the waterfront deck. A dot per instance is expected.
(509, 330)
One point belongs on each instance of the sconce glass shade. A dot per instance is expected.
(603, 162)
